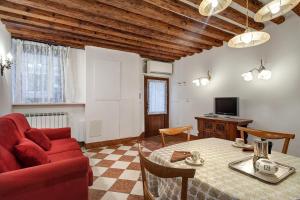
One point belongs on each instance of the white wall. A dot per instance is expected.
(112, 94)
(5, 81)
(75, 112)
(273, 104)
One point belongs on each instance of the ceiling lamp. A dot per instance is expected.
(203, 80)
(275, 9)
(263, 73)
(249, 38)
(212, 7)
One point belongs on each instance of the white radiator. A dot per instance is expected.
(48, 120)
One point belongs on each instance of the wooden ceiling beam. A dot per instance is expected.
(297, 9)
(256, 5)
(28, 25)
(153, 58)
(154, 14)
(61, 27)
(124, 25)
(86, 40)
(36, 15)
(179, 7)
(61, 43)
(56, 41)
(36, 33)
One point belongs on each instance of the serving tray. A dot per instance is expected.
(245, 166)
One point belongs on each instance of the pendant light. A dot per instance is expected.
(275, 9)
(249, 38)
(212, 7)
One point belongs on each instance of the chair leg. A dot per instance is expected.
(162, 140)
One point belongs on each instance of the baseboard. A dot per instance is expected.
(112, 142)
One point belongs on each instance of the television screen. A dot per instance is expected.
(226, 106)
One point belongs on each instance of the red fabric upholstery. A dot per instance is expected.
(20, 121)
(63, 145)
(9, 137)
(57, 133)
(66, 179)
(38, 137)
(67, 176)
(30, 154)
(7, 161)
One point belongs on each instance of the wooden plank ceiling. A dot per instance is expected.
(164, 30)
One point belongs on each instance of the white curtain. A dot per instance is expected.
(39, 73)
(157, 97)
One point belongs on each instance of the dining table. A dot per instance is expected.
(214, 180)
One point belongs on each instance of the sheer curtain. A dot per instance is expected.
(157, 97)
(39, 73)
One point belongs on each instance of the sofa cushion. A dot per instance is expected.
(69, 155)
(62, 145)
(30, 154)
(20, 121)
(65, 155)
(38, 137)
(8, 161)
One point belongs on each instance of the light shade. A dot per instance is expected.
(275, 9)
(211, 7)
(249, 39)
(248, 76)
(196, 82)
(264, 74)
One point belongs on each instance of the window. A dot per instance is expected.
(38, 72)
(157, 96)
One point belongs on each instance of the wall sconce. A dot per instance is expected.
(203, 80)
(263, 73)
(6, 63)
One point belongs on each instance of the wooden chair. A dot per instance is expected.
(163, 172)
(268, 135)
(174, 131)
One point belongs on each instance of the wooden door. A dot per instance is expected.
(156, 93)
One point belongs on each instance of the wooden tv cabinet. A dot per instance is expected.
(220, 127)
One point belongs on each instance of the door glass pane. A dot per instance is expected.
(157, 96)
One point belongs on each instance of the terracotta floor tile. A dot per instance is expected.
(124, 186)
(105, 163)
(119, 152)
(134, 166)
(100, 155)
(96, 194)
(127, 158)
(95, 150)
(113, 147)
(135, 197)
(134, 149)
(112, 173)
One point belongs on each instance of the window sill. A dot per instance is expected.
(47, 104)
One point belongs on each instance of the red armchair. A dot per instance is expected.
(67, 176)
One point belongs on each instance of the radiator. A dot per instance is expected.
(48, 120)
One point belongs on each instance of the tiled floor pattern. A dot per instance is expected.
(117, 174)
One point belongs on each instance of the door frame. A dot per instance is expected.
(146, 101)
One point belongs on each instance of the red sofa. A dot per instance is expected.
(67, 176)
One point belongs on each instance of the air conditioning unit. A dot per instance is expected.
(156, 67)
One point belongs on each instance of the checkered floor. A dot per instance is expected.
(117, 174)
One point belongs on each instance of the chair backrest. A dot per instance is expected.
(268, 135)
(163, 172)
(175, 131)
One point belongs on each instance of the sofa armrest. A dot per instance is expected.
(57, 133)
(28, 182)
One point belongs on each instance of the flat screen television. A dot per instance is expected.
(227, 106)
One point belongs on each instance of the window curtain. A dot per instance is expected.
(41, 73)
(157, 97)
